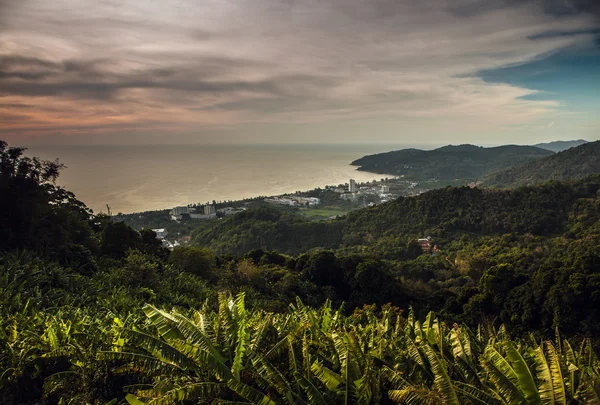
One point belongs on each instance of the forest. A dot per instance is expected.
(452, 162)
(269, 308)
(574, 163)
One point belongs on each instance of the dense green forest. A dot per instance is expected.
(449, 214)
(94, 312)
(573, 163)
(450, 162)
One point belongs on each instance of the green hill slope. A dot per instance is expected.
(388, 229)
(574, 163)
(449, 162)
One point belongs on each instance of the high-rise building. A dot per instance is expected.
(180, 210)
(210, 210)
(352, 186)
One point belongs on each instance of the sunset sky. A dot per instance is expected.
(306, 71)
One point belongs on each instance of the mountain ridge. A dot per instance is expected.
(570, 164)
(559, 146)
(449, 162)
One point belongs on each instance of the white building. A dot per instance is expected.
(281, 201)
(178, 212)
(352, 186)
(209, 210)
(385, 189)
(294, 201)
(160, 233)
(306, 200)
(227, 211)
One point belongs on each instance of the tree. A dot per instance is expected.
(37, 215)
(116, 239)
(195, 260)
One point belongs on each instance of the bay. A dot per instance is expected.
(152, 177)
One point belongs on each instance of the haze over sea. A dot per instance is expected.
(152, 177)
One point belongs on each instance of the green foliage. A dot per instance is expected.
(82, 300)
(268, 229)
(390, 230)
(36, 215)
(201, 262)
(319, 356)
(571, 164)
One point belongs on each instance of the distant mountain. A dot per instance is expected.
(449, 162)
(559, 146)
(574, 163)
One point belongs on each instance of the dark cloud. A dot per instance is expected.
(557, 8)
(91, 80)
(25, 68)
(232, 62)
(570, 7)
(18, 106)
(12, 118)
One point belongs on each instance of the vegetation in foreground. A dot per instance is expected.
(94, 312)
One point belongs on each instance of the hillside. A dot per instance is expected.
(387, 229)
(559, 146)
(98, 313)
(574, 163)
(450, 162)
(268, 228)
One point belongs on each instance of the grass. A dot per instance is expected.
(322, 213)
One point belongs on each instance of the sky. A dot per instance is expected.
(299, 71)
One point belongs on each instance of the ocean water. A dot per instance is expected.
(142, 178)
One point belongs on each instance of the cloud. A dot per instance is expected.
(190, 65)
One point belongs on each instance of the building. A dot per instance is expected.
(178, 212)
(306, 200)
(425, 243)
(294, 201)
(281, 201)
(198, 215)
(348, 196)
(160, 233)
(385, 189)
(352, 186)
(227, 211)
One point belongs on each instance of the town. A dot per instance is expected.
(174, 226)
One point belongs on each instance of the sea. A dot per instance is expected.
(138, 178)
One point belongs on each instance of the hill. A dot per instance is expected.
(574, 163)
(268, 228)
(85, 299)
(387, 230)
(559, 146)
(450, 162)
